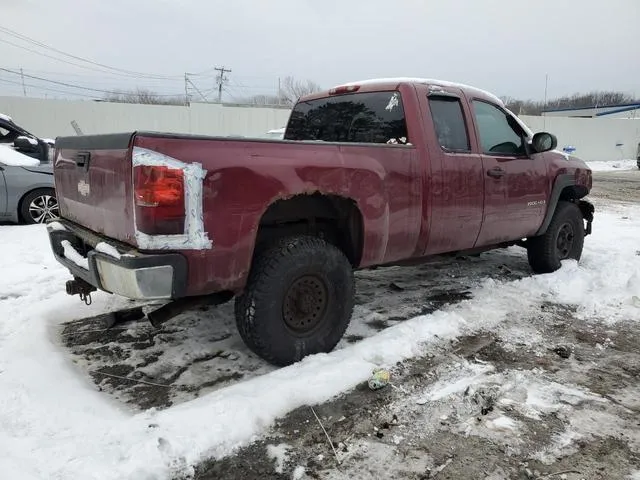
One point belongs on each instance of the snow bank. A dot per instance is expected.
(8, 156)
(613, 165)
(54, 424)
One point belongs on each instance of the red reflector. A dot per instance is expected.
(159, 200)
(344, 89)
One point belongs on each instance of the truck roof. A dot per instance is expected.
(395, 81)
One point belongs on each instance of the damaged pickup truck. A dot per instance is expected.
(370, 173)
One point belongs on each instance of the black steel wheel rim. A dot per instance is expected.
(305, 304)
(44, 208)
(564, 242)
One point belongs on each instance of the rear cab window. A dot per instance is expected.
(367, 117)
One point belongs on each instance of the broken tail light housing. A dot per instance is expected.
(159, 200)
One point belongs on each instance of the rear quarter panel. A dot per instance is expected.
(245, 177)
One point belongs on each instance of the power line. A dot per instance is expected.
(38, 87)
(65, 61)
(76, 57)
(71, 85)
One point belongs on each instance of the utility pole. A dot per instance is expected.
(24, 89)
(221, 79)
(188, 80)
(546, 87)
(186, 89)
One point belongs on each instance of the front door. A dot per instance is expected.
(516, 185)
(456, 186)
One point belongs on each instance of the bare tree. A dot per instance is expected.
(291, 89)
(143, 96)
(261, 100)
(577, 100)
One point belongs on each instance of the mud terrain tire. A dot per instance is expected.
(563, 240)
(298, 300)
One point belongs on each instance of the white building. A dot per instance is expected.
(627, 111)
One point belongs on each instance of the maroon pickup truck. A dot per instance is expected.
(369, 173)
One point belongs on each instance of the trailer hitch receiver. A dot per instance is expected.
(78, 286)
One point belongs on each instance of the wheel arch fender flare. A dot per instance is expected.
(564, 184)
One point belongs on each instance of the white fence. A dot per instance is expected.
(593, 138)
(52, 118)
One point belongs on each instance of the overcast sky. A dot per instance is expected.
(506, 46)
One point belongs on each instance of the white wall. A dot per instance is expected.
(593, 138)
(52, 118)
(593, 112)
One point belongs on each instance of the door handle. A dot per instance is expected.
(496, 172)
(82, 160)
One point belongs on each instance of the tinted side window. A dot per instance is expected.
(449, 124)
(496, 134)
(376, 117)
(7, 136)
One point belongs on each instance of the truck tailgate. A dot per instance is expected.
(93, 178)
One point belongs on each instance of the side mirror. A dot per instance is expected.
(25, 144)
(543, 142)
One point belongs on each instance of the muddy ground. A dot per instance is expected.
(481, 431)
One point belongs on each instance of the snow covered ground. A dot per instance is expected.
(56, 423)
(613, 165)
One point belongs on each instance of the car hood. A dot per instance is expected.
(46, 168)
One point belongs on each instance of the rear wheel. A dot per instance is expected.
(39, 206)
(298, 300)
(563, 240)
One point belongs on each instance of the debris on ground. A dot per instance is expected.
(379, 379)
(563, 351)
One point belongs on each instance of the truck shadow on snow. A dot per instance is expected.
(200, 351)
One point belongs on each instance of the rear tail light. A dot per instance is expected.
(159, 200)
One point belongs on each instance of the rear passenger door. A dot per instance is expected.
(457, 181)
(515, 181)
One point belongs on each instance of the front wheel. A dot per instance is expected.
(298, 300)
(39, 206)
(563, 240)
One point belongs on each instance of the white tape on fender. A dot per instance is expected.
(194, 236)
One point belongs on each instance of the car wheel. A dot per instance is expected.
(298, 300)
(563, 240)
(39, 206)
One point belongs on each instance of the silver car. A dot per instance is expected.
(27, 192)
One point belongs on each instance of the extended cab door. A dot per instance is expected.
(457, 178)
(516, 187)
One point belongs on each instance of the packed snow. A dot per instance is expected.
(108, 250)
(54, 423)
(613, 165)
(11, 158)
(278, 453)
(73, 255)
